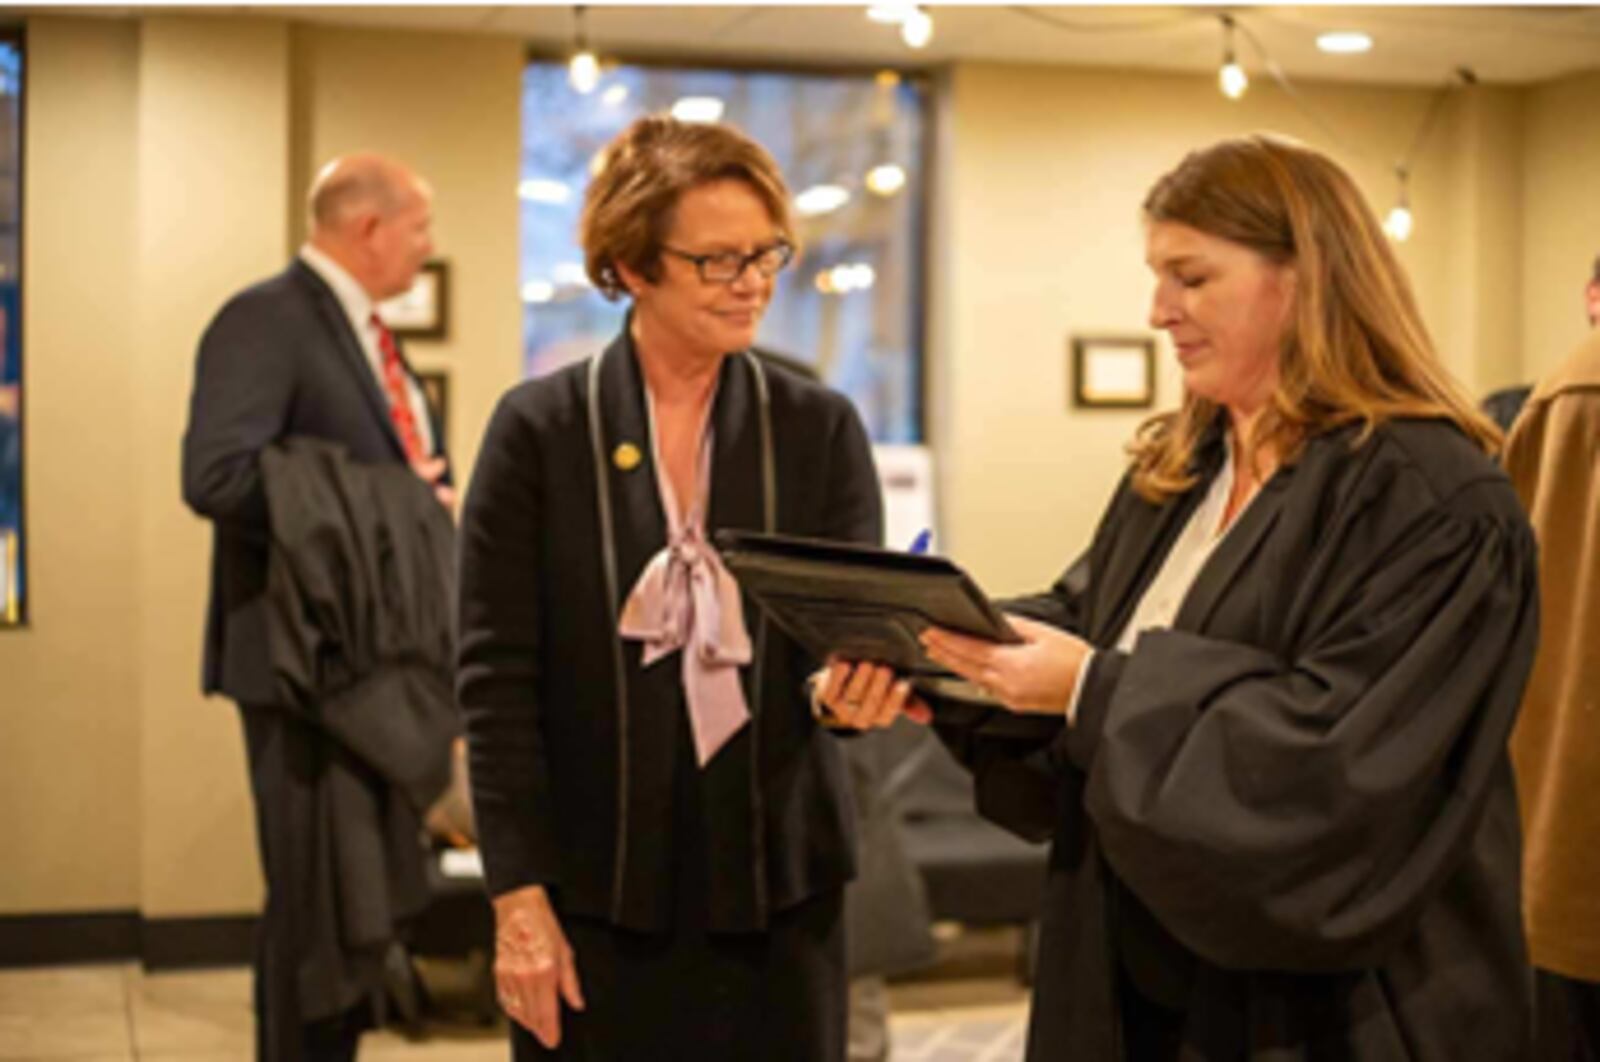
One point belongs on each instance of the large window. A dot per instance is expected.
(12, 601)
(851, 148)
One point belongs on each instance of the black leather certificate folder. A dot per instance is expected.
(864, 603)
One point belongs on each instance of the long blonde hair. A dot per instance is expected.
(1356, 348)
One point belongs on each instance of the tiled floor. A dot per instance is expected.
(966, 1009)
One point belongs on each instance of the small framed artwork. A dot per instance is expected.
(435, 385)
(423, 312)
(1114, 372)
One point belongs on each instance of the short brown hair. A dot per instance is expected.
(628, 207)
(1356, 349)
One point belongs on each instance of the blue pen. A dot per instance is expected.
(923, 540)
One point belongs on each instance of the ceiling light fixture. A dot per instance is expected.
(916, 29)
(1399, 222)
(890, 14)
(615, 96)
(1344, 42)
(1231, 77)
(583, 69)
(821, 199)
(698, 109)
(538, 291)
(886, 180)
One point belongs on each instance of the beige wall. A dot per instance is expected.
(212, 158)
(69, 723)
(148, 137)
(1480, 320)
(1561, 217)
(451, 105)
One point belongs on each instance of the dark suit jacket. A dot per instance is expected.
(1290, 818)
(279, 360)
(573, 789)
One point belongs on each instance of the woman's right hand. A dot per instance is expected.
(868, 696)
(533, 963)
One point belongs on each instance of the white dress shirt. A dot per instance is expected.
(359, 307)
(1164, 597)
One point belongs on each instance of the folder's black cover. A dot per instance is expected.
(860, 602)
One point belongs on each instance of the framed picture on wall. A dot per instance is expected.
(423, 312)
(1113, 372)
(436, 388)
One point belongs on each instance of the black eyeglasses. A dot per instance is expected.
(725, 267)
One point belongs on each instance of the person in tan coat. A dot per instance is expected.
(1553, 459)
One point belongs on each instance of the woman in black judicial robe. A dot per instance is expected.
(666, 828)
(1282, 811)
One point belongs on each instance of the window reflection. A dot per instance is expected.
(12, 601)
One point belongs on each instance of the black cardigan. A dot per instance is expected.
(572, 789)
(1290, 818)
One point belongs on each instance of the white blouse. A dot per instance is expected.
(1165, 595)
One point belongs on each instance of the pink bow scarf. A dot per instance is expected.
(686, 599)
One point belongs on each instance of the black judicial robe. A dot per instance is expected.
(1290, 819)
(573, 786)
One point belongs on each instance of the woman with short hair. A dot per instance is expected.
(665, 826)
(1273, 697)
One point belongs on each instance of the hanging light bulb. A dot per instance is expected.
(583, 69)
(916, 29)
(1231, 77)
(1398, 223)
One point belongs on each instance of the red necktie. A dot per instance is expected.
(394, 384)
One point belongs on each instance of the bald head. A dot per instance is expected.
(353, 185)
(372, 215)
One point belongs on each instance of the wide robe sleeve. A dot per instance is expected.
(497, 678)
(1296, 813)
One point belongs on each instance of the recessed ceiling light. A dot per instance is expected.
(890, 14)
(698, 109)
(1345, 42)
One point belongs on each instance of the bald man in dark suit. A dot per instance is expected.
(303, 354)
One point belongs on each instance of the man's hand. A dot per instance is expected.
(534, 969)
(432, 470)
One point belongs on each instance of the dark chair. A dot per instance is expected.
(976, 873)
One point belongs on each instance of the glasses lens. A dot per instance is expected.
(720, 268)
(774, 258)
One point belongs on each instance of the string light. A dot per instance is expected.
(916, 29)
(1398, 223)
(583, 69)
(1231, 77)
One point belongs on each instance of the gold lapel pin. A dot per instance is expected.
(626, 457)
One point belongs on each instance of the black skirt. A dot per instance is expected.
(689, 993)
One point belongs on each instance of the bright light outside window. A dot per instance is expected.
(851, 148)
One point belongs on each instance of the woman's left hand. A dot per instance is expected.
(1036, 676)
